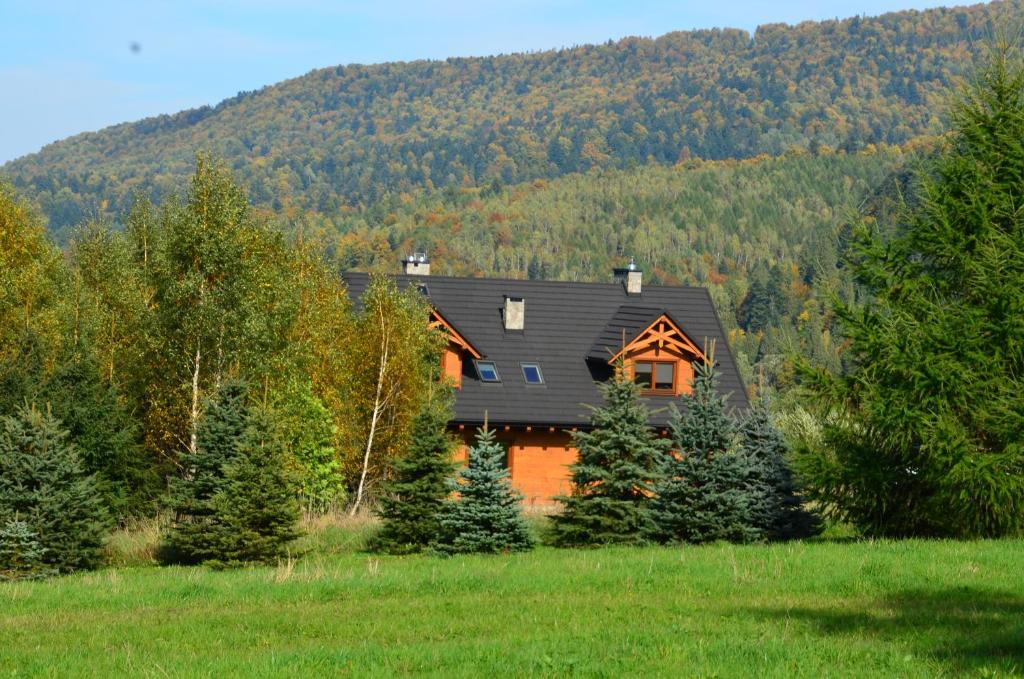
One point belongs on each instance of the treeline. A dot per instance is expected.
(764, 235)
(350, 136)
(114, 354)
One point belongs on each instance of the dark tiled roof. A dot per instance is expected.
(569, 329)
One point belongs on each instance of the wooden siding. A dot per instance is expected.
(538, 461)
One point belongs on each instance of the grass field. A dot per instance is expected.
(909, 609)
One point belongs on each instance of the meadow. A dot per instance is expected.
(831, 608)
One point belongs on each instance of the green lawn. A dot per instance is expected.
(913, 608)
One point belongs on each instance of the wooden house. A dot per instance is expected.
(531, 354)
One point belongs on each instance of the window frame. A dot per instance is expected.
(540, 373)
(494, 369)
(653, 390)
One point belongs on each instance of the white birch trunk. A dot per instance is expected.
(379, 402)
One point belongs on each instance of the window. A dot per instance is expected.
(655, 376)
(487, 371)
(532, 374)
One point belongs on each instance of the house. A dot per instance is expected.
(529, 356)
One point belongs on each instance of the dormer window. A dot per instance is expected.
(487, 371)
(532, 374)
(655, 377)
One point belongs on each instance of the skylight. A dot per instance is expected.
(532, 374)
(488, 371)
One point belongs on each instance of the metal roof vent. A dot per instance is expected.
(417, 264)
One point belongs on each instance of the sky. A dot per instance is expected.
(81, 65)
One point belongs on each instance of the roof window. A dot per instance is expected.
(531, 373)
(487, 371)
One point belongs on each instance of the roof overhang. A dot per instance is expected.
(437, 320)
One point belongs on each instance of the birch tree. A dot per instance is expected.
(393, 355)
(218, 307)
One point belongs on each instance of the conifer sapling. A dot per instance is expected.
(486, 516)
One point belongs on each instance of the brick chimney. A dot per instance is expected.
(515, 313)
(631, 278)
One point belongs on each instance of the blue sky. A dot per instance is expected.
(68, 67)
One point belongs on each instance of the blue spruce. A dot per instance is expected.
(486, 516)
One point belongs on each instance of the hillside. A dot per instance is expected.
(349, 135)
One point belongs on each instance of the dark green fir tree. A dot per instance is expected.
(412, 500)
(612, 481)
(776, 507)
(486, 516)
(43, 483)
(705, 494)
(197, 531)
(105, 435)
(233, 503)
(257, 503)
(923, 435)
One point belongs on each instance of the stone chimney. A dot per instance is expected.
(515, 313)
(631, 278)
(417, 264)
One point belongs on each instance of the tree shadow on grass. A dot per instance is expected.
(966, 629)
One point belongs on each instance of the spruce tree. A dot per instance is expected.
(923, 435)
(104, 433)
(706, 493)
(612, 481)
(257, 504)
(197, 528)
(233, 503)
(43, 483)
(413, 499)
(776, 507)
(21, 554)
(486, 516)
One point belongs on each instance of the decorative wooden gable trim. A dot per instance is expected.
(454, 336)
(660, 334)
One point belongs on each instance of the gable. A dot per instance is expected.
(454, 336)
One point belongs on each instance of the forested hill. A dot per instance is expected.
(346, 135)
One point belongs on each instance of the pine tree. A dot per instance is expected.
(257, 503)
(706, 494)
(486, 517)
(776, 507)
(923, 435)
(412, 501)
(612, 481)
(43, 483)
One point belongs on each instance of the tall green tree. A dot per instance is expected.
(487, 514)
(619, 461)
(709, 486)
(44, 484)
(33, 283)
(925, 435)
(220, 304)
(412, 500)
